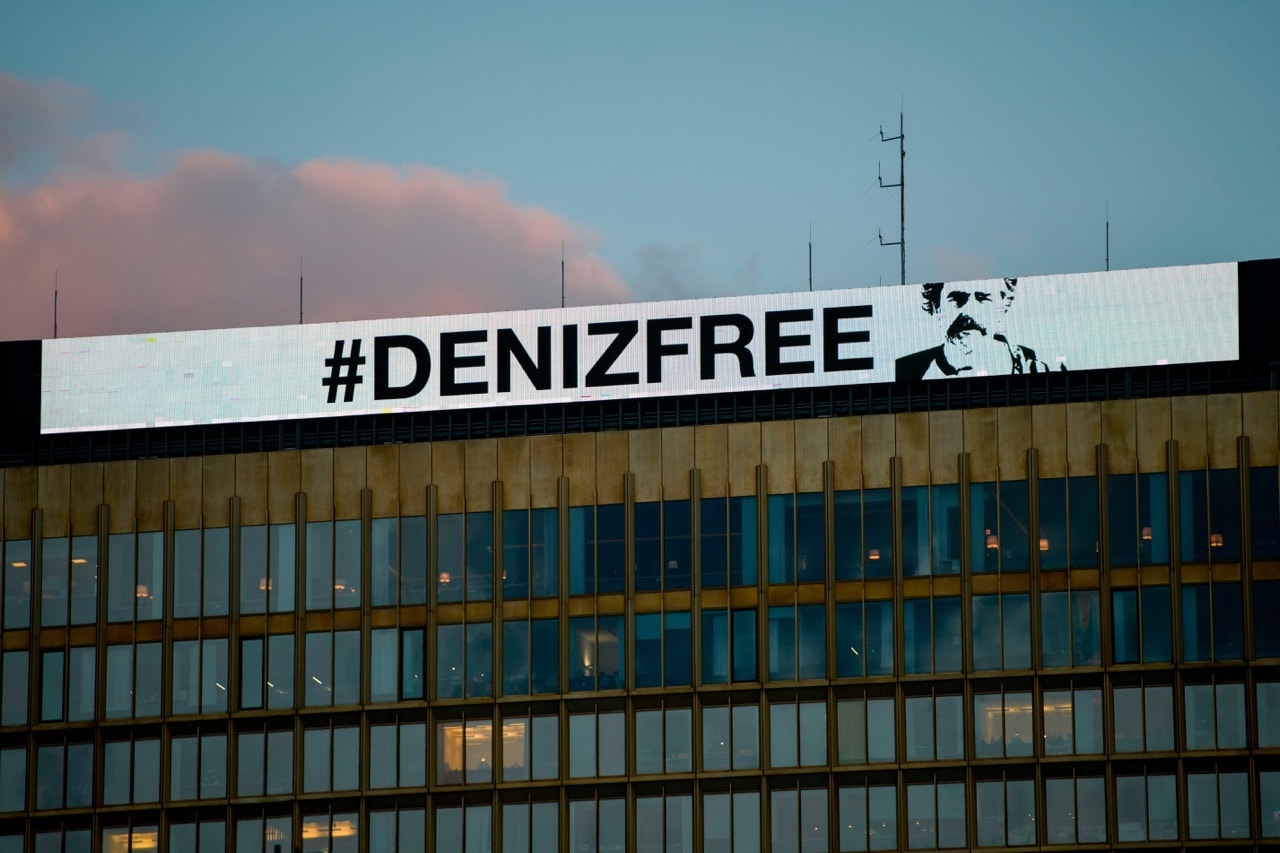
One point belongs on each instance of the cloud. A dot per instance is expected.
(669, 272)
(215, 241)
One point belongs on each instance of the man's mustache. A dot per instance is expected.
(964, 323)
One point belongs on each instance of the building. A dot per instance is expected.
(770, 600)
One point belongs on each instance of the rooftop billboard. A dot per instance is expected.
(729, 344)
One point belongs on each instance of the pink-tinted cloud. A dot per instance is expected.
(215, 241)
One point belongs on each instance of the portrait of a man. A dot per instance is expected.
(971, 317)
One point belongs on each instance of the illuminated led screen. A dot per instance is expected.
(746, 343)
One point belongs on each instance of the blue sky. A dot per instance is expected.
(691, 147)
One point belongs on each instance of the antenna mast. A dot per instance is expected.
(561, 273)
(55, 304)
(901, 242)
(299, 290)
(1108, 234)
(810, 257)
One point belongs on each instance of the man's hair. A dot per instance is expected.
(931, 294)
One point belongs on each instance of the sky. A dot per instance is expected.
(171, 166)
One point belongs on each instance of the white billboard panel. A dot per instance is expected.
(748, 343)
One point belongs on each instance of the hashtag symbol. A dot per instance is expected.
(344, 370)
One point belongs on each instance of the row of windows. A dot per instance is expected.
(325, 668)
(933, 812)
(1066, 534)
(473, 749)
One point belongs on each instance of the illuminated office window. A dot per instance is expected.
(596, 653)
(1003, 724)
(1139, 515)
(1209, 515)
(464, 751)
(331, 832)
(530, 747)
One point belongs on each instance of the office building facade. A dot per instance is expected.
(1020, 612)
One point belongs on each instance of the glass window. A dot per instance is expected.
(464, 666)
(868, 817)
(597, 744)
(464, 554)
(662, 548)
(268, 568)
(1001, 632)
(797, 642)
(1068, 523)
(597, 555)
(530, 656)
(597, 825)
(935, 816)
(797, 733)
(1073, 722)
(1006, 812)
(1268, 713)
(1002, 724)
(1264, 512)
(264, 763)
(1269, 794)
(530, 827)
(866, 731)
(1143, 718)
(332, 675)
(530, 552)
(663, 740)
(932, 635)
(728, 541)
(799, 819)
(1215, 716)
(797, 539)
(864, 639)
(413, 559)
(466, 828)
(931, 530)
(130, 771)
(1076, 810)
(1211, 622)
(1142, 625)
(730, 737)
(464, 750)
(333, 564)
(201, 573)
(934, 728)
(200, 676)
(1069, 628)
(664, 823)
(1217, 805)
(731, 821)
(596, 647)
(1266, 632)
(1146, 808)
(864, 544)
(16, 582)
(663, 650)
(398, 755)
(530, 748)
(198, 766)
(999, 526)
(13, 779)
(14, 681)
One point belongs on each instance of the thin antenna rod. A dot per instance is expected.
(299, 290)
(810, 257)
(561, 273)
(55, 304)
(1108, 234)
(901, 242)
